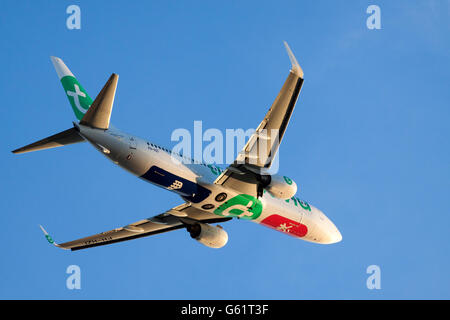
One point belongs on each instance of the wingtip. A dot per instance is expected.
(49, 238)
(296, 69)
(18, 150)
(115, 76)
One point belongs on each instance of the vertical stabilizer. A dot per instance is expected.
(78, 97)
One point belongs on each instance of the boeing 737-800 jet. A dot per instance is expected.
(244, 190)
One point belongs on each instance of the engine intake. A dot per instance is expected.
(282, 187)
(208, 235)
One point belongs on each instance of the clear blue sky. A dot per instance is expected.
(368, 144)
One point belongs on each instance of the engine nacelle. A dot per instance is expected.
(208, 235)
(282, 187)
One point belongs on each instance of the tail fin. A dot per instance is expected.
(99, 113)
(78, 97)
(96, 116)
(63, 138)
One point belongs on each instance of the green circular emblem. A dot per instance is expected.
(243, 206)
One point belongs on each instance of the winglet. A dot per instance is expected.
(49, 238)
(295, 66)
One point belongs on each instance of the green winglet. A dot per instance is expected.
(50, 239)
(47, 236)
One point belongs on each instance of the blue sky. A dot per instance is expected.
(368, 144)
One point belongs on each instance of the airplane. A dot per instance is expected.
(244, 190)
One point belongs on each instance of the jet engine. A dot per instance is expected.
(281, 187)
(208, 235)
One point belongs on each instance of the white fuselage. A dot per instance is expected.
(194, 182)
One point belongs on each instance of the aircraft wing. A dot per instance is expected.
(173, 219)
(261, 148)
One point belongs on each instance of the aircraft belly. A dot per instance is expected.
(281, 215)
(157, 167)
(189, 190)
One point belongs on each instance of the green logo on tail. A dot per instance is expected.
(78, 97)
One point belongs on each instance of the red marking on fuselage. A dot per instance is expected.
(285, 225)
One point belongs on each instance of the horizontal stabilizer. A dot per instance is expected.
(99, 113)
(63, 138)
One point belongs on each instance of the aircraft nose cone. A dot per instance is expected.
(330, 233)
(334, 236)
